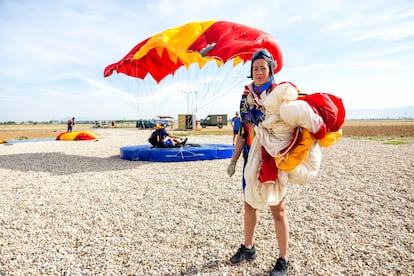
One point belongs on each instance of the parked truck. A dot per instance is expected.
(218, 120)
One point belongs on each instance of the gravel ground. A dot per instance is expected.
(76, 208)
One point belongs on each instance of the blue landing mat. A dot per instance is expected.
(190, 152)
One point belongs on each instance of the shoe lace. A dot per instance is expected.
(240, 251)
(280, 264)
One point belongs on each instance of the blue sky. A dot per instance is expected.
(53, 53)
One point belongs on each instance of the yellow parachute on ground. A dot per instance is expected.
(76, 136)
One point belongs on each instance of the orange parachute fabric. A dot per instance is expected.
(197, 42)
(300, 152)
(76, 135)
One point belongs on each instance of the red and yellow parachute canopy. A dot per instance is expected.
(76, 136)
(198, 42)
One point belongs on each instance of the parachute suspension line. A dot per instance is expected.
(197, 79)
(202, 83)
(226, 79)
(153, 97)
(144, 63)
(137, 97)
(203, 87)
(123, 90)
(213, 85)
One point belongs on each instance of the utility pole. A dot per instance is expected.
(188, 100)
(196, 103)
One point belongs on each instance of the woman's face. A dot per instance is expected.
(261, 72)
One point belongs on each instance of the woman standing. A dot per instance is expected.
(252, 113)
(280, 139)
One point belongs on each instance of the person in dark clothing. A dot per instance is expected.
(160, 138)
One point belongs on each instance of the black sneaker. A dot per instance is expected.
(281, 267)
(185, 141)
(242, 255)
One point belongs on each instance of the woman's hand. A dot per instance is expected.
(231, 168)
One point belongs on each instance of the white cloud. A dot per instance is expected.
(53, 53)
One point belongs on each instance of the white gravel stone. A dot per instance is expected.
(77, 208)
